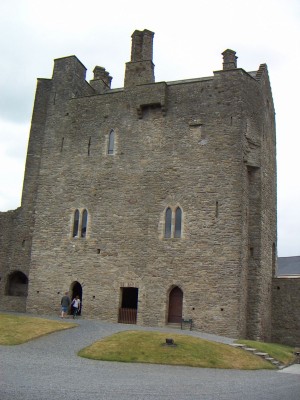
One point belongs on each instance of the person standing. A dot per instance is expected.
(65, 304)
(76, 306)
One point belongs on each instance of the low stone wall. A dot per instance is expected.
(13, 303)
(286, 311)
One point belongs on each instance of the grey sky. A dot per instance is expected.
(188, 42)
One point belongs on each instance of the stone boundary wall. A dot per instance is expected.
(13, 303)
(286, 311)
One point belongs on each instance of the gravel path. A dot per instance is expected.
(49, 369)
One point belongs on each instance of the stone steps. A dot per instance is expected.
(265, 356)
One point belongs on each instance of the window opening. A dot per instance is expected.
(76, 223)
(111, 142)
(89, 146)
(178, 215)
(84, 223)
(168, 222)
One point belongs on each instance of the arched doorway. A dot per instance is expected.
(17, 284)
(76, 290)
(175, 305)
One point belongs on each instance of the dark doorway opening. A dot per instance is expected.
(76, 290)
(17, 284)
(175, 305)
(129, 305)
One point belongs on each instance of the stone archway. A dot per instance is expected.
(17, 284)
(175, 305)
(76, 290)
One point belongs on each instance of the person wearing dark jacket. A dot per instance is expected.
(65, 304)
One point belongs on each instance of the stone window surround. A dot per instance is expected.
(172, 232)
(83, 216)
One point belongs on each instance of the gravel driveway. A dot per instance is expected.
(49, 369)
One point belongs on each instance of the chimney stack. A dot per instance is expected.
(140, 69)
(229, 59)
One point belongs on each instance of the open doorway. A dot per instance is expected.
(175, 305)
(76, 290)
(17, 284)
(129, 305)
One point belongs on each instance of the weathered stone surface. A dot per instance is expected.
(285, 311)
(205, 145)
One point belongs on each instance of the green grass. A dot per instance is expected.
(20, 329)
(149, 347)
(280, 352)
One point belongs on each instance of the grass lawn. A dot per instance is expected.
(149, 347)
(16, 329)
(282, 353)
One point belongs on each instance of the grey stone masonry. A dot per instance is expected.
(154, 203)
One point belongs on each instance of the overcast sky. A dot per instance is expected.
(189, 39)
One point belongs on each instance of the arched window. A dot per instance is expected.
(111, 142)
(76, 223)
(84, 223)
(168, 223)
(173, 223)
(178, 216)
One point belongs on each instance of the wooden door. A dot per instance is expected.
(175, 305)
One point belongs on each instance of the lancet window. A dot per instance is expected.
(173, 223)
(80, 222)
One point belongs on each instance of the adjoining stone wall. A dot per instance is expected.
(17, 226)
(13, 303)
(285, 311)
(14, 256)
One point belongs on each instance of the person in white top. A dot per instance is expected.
(76, 306)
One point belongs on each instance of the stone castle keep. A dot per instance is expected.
(153, 202)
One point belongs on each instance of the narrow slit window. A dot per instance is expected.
(89, 147)
(178, 217)
(84, 223)
(111, 142)
(168, 222)
(76, 223)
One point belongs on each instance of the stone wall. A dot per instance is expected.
(157, 163)
(176, 144)
(14, 257)
(205, 145)
(17, 226)
(285, 311)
